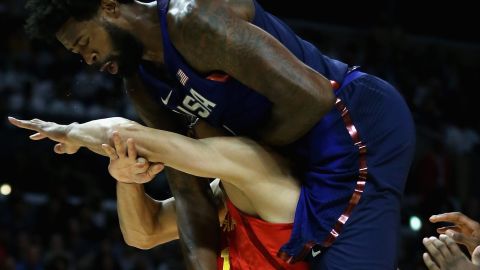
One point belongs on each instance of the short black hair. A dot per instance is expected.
(47, 16)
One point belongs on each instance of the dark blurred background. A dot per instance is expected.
(58, 212)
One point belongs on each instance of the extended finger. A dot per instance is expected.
(455, 217)
(443, 230)
(131, 149)
(110, 151)
(26, 124)
(119, 145)
(442, 247)
(429, 262)
(434, 252)
(452, 246)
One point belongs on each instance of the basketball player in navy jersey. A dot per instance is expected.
(242, 69)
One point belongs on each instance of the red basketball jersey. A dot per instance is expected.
(251, 243)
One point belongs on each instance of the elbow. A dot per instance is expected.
(140, 245)
(312, 108)
(324, 103)
(140, 242)
(148, 239)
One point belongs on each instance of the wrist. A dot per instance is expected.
(72, 132)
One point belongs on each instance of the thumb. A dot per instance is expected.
(157, 168)
(476, 256)
(59, 148)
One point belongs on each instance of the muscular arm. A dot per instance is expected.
(145, 222)
(230, 158)
(300, 95)
(233, 159)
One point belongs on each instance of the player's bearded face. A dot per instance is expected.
(126, 52)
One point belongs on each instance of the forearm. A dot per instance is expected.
(197, 219)
(192, 156)
(143, 221)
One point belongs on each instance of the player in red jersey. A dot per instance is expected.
(256, 199)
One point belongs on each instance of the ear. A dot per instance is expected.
(110, 8)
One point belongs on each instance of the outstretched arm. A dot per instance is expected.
(233, 159)
(230, 158)
(197, 220)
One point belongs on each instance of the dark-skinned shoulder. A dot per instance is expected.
(216, 35)
(194, 24)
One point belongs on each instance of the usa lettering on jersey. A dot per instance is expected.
(193, 104)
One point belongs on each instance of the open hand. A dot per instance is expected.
(464, 230)
(444, 254)
(51, 130)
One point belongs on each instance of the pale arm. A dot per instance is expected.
(145, 222)
(233, 159)
(229, 158)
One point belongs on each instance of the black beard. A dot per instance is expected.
(128, 50)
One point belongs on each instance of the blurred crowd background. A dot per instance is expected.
(58, 212)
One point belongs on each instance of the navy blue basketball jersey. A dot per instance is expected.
(336, 169)
(220, 99)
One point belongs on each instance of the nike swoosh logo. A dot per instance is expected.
(315, 253)
(165, 101)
